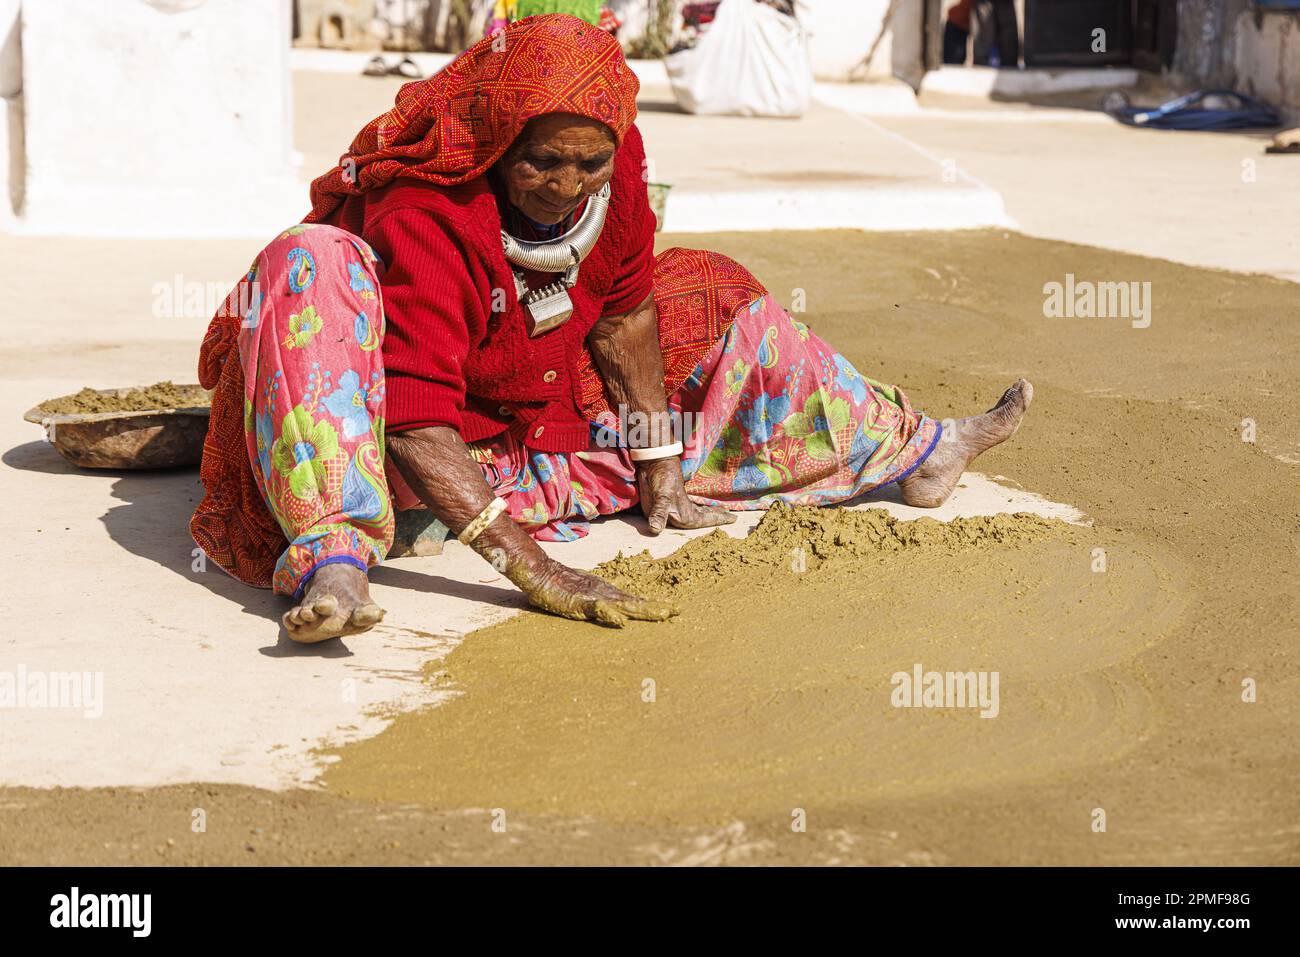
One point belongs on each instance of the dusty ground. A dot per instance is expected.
(1121, 690)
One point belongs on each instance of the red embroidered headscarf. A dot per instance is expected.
(453, 126)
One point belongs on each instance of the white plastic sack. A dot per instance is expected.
(751, 61)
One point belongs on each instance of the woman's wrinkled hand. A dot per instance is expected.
(665, 502)
(581, 596)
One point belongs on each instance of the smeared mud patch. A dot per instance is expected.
(773, 689)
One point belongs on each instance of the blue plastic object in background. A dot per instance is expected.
(1182, 113)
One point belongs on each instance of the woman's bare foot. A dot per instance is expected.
(337, 603)
(931, 484)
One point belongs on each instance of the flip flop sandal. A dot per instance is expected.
(407, 68)
(376, 67)
(1288, 141)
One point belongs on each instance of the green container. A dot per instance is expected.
(659, 203)
(588, 10)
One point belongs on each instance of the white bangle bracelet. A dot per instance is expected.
(482, 520)
(656, 452)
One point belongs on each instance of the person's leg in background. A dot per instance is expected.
(956, 33)
(983, 21)
(996, 28)
(1008, 33)
(954, 44)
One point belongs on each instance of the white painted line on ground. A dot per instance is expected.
(878, 99)
(1038, 117)
(939, 161)
(870, 208)
(897, 99)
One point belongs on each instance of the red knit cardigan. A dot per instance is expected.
(450, 360)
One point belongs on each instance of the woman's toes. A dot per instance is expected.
(331, 627)
(299, 616)
(337, 604)
(317, 619)
(1002, 421)
(1026, 391)
(320, 630)
(1016, 399)
(1021, 394)
(367, 615)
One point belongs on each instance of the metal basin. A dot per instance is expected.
(148, 439)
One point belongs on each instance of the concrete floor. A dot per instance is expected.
(1205, 199)
(868, 156)
(199, 685)
(727, 173)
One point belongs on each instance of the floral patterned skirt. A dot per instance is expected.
(771, 414)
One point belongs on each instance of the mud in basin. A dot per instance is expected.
(156, 426)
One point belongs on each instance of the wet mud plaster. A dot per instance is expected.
(160, 395)
(773, 688)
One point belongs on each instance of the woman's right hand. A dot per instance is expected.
(580, 595)
(436, 464)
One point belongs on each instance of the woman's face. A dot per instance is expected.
(557, 161)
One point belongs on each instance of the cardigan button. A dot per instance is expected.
(537, 433)
(549, 376)
(504, 410)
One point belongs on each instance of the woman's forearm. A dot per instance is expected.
(627, 353)
(437, 466)
(630, 359)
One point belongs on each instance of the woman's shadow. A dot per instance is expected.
(152, 521)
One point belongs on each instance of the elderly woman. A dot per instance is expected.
(472, 321)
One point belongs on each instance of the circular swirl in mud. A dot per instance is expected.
(775, 688)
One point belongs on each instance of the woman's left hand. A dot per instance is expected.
(665, 502)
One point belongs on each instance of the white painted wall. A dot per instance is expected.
(1267, 58)
(11, 113)
(11, 64)
(157, 118)
(842, 32)
(1235, 45)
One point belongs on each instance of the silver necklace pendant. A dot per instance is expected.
(550, 306)
(547, 307)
